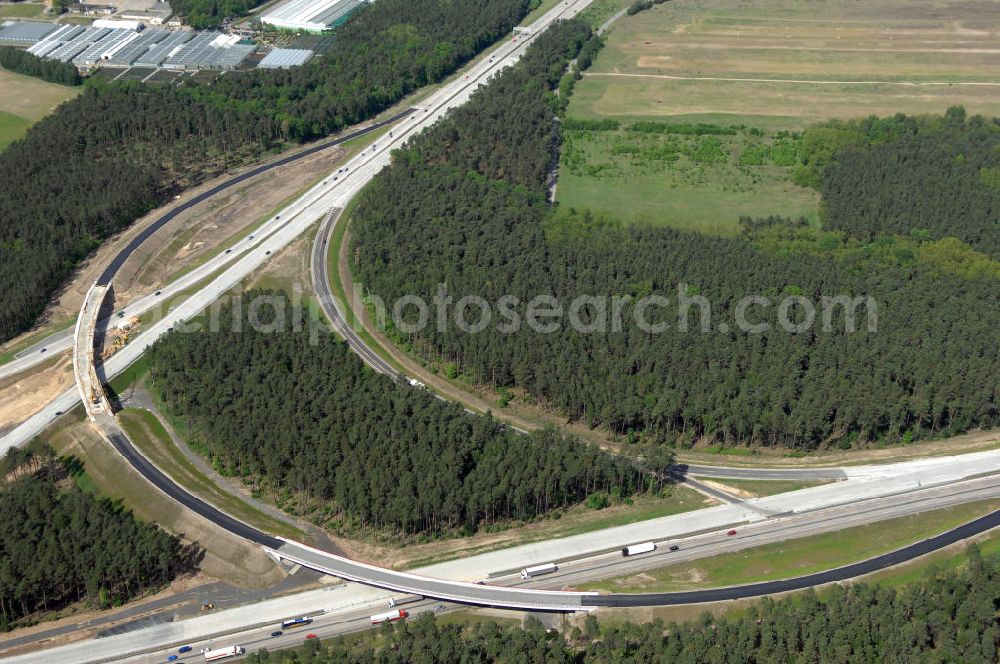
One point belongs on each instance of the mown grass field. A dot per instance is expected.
(792, 62)
(25, 100)
(799, 556)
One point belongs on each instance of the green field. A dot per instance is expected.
(25, 100)
(791, 62)
(12, 127)
(701, 182)
(799, 556)
(22, 10)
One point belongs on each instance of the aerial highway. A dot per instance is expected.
(805, 510)
(62, 340)
(343, 608)
(291, 222)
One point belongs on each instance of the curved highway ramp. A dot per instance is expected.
(454, 591)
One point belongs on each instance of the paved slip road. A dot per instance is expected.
(321, 280)
(333, 608)
(153, 474)
(761, 473)
(868, 566)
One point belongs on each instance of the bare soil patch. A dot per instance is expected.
(24, 394)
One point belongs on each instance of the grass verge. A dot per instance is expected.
(800, 556)
(151, 438)
(761, 488)
(22, 10)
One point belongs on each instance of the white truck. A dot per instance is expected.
(531, 572)
(389, 616)
(223, 653)
(636, 549)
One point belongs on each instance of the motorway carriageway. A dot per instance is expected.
(63, 340)
(296, 218)
(784, 526)
(302, 213)
(335, 616)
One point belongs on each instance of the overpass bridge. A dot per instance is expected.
(95, 399)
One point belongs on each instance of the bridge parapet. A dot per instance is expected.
(92, 393)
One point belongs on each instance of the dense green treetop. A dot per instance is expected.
(53, 71)
(296, 413)
(466, 205)
(60, 544)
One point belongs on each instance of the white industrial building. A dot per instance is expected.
(115, 24)
(310, 15)
(283, 58)
(125, 44)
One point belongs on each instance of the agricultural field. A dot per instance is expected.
(24, 101)
(22, 10)
(704, 178)
(786, 63)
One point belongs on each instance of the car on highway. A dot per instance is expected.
(731, 532)
(250, 238)
(173, 658)
(276, 633)
(184, 649)
(228, 250)
(675, 548)
(267, 253)
(43, 350)
(310, 636)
